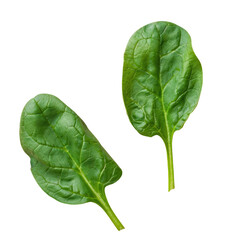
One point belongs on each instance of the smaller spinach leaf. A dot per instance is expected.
(67, 161)
(162, 81)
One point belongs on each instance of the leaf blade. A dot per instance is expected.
(150, 71)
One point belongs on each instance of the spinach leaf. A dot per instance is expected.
(67, 161)
(162, 81)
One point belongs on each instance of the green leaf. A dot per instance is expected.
(162, 81)
(67, 161)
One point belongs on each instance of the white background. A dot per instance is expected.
(74, 50)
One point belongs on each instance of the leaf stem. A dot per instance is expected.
(171, 184)
(108, 210)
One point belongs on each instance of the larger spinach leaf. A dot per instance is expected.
(162, 81)
(67, 161)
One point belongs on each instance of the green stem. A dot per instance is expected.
(106, 207)
(171, 184)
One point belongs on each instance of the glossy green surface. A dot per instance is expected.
(67, 161)
(162, 81)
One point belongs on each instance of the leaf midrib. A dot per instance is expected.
(161, 87)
